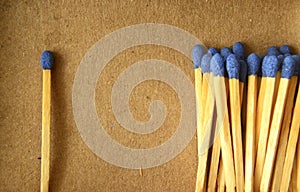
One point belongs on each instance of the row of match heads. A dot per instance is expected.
(238, 65)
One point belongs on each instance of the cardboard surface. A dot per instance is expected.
(69, 29)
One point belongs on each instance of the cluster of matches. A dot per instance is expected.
(254, 136)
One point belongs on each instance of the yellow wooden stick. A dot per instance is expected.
(285, 130)
(221, 91)
(274, 135)
(260, 102)
(291, 147)
(46, 63)
(221, 177)
(298, 166)
(214, 165)
(250, 132)
(232, 66)
(269, 68)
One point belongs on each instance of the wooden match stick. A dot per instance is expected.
(221, 177)
(269, 70)
(46, 63)
(287, 72)
(220, 87)
(197, 53)
(285, 130)
(253, 67)
(233, 69)
(298, 166)
(291, 147)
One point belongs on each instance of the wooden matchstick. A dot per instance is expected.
(200, 86)
(221, 178)
(285, 130)
(253, 67)
(287, 72)
(233, 70)
(291, 147)
(221, 92)
(269, 70)
(298, 166)
(46, 63)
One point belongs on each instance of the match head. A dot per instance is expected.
(280, 60)
(272, 51)
(47, 60)
(297, 65)
(217, 65)
(285, 49)
(270, 66)
(225, 52)
(213, 50)
(205, 63)
(197, 53)
(288, 67)
(239, 50)
(243, 71)
(233, 67)
(253, 62)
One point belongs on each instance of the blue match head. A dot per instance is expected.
(205, 63)
(243, 71)
(288, 67)
(47, 60)
(253, 62)
(239, 50)
(225, 51)
(285, 49)
(272, 51)
(233, 67)
(213, 50)
(280, 60)
(217, 65)
(287, 54)
(297, 65)
(197, 53)
(270, 66)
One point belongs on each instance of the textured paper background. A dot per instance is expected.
(70, 28)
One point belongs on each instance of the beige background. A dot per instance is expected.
(69, 29)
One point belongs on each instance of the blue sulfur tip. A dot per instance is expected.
(253, 62)
(272, 51)
(47, 60)
(239, 50)
(280, 60)
(288, 67)
(297, 65)
(270, 66)
(233, 67)
(225, 52)
(243, 71)
(217, 65)
(213, 50)
(205, 63)
(197, 53)
(284, 49)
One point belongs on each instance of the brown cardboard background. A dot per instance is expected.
(70, 28)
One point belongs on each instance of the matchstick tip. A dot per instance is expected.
(243, 71)
(297, 65)
(253, 62)
(217, 65)
(270, 66)
(233, 66)
(288, 67)
(225, 52)
(212, 50)
(197, 52)
(47, 60)
(284, 49)
(239, 50)
(205, 63)
(272, 50)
